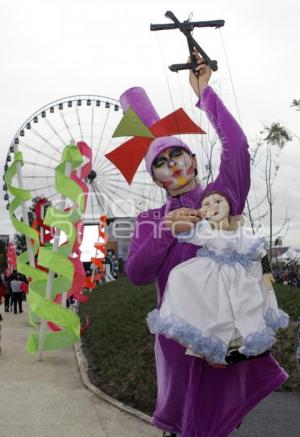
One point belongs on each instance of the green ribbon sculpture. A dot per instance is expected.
(57, 262)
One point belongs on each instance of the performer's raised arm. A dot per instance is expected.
(234, 171)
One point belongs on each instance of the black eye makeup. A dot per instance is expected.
(175, 151)
(159, 161)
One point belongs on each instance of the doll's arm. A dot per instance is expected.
(268, 278)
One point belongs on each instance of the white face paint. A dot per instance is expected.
(173, 168)
(215, 207)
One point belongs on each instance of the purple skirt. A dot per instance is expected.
(197, 400)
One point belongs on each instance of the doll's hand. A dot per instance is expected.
(268, 279)
(182, 220)
(199, 80)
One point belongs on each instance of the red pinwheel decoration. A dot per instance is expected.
(128, 156)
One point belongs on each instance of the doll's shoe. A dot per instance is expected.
(236, 356)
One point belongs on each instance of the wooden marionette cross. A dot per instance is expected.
(186, 27)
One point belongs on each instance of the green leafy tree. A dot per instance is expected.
(267, 152)
(277, 135)
(296, 104)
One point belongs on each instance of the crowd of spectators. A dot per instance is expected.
(286, 277)
(12, 294)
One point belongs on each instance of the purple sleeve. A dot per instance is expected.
(234, 172)
(148, 250)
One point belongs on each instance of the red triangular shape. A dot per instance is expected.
(177, 122)
(129, 155)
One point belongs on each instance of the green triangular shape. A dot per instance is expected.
(132, 126)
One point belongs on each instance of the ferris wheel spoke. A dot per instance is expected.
(63, 142)
(92, 202)
(129, 191)
(143, 184)
(101, 206)
(42, 188)
(106, 148)
(39, 152)
(79, 123)
(101, 136)
(36, 133)
(92, 127)
(105, 166)
(66, 125)
(39, 177)
(108, 164)
(111, 193)
(102, 158)
(53, 195)
(39, 165)
(116, 173)
(105, 207)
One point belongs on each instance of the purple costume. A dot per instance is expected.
(194, 399)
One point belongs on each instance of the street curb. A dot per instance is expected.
(83, 368)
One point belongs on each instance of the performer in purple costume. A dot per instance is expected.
(194, 398)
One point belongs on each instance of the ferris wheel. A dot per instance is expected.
(92, 119)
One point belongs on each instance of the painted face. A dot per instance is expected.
(215, 207)
(173, 168)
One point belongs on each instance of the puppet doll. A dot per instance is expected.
(221, 304)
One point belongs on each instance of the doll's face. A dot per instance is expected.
(174, 168)
(215, 208)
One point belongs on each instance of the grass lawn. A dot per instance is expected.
(119, 347)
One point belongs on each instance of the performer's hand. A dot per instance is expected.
(208, 212)
(182, 220)
(268, 279)
(199, 80)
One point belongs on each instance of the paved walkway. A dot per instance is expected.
(48, 399)
(276, 416)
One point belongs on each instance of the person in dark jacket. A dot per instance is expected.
(7, 294)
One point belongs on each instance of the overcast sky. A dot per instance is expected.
(54, 48)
